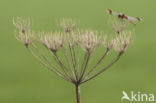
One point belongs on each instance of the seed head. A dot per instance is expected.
(67, 25)
(53, 41)
(23, 25)
(121, 41)
(119, 26)
(89, 40)
(24, 34)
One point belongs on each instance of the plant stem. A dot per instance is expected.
(78, 99)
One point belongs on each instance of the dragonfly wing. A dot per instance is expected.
(116, 13)
(134, 18)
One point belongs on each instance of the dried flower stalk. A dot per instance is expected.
(85, 40)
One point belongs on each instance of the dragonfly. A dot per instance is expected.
(124, 16)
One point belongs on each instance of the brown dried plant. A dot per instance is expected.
(72, 39)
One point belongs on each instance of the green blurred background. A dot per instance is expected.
(24, 80)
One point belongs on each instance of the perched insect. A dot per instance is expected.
(123, 16)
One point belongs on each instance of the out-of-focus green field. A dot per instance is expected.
(24, 80)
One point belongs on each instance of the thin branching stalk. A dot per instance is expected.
(74, 62)
(85, 66)
(74, 57)
(45, 58)
(40, 53)
(83, 63)
(58, 73)
(77, 58)
(62, 66)
(105, 68)
(94, 67)
(69, 63)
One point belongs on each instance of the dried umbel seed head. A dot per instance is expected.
(89, 40)
(53, 41)
(25, 34)
(23, 25)
(121, 41)
(25, 38)
(67, 25)
(119, 26)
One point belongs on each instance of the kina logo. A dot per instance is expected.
(138, 96)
